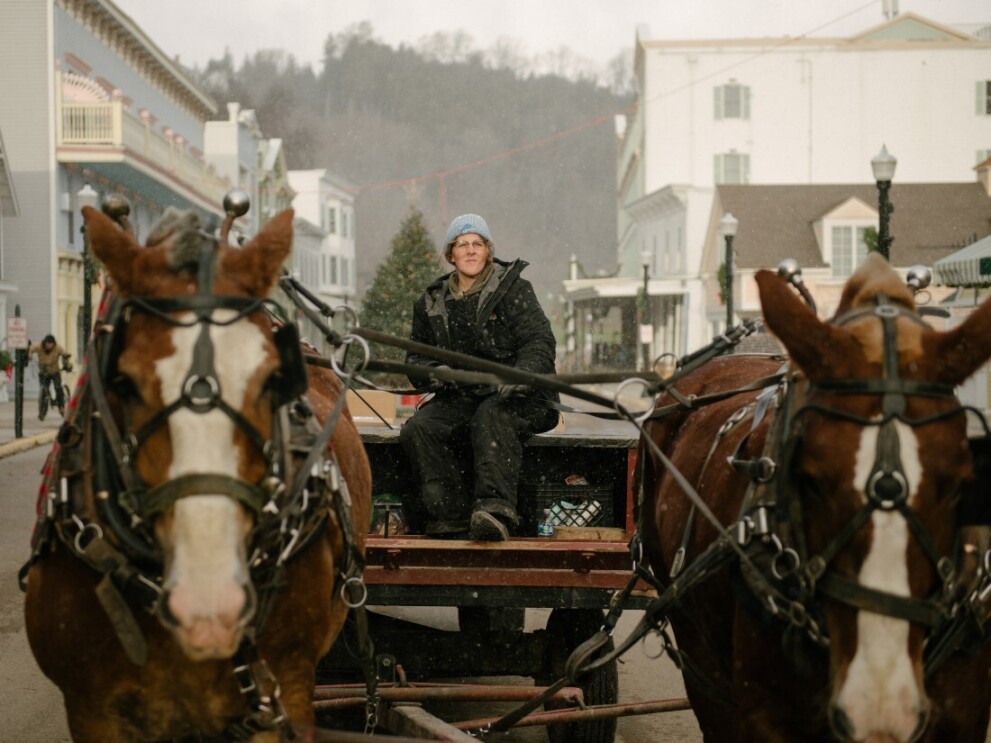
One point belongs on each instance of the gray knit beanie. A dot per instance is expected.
(468, 224)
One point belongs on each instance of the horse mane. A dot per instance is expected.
(182, 236)
(874, 277)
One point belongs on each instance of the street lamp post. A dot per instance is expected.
(727, 226)
(87, 196)
(883, 165)
(646, 327)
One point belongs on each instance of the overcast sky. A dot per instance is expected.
(198, 30)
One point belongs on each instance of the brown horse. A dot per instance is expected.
(842, 487)
(188, 565)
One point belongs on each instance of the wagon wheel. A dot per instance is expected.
(571, 627)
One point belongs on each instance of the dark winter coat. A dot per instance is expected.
(510, 325)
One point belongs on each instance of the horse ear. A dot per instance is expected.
(814, 345)
(256, 266)
(961, 351)
(114, 246)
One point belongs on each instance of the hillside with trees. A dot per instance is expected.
(446, 129)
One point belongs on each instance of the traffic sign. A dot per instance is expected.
(17, 332)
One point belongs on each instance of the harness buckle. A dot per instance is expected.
(744, 531)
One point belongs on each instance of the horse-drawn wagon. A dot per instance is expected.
(812, 530)
(573, 575)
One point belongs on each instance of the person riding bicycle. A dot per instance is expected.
(50, 354)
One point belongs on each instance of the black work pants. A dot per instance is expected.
(495, 430)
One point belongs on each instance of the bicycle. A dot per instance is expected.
(46, 381)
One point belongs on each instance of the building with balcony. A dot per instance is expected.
(783, 111)
(90, 100)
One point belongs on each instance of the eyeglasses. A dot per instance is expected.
(464, 245)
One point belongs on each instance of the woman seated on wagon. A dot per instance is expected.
(482, 308)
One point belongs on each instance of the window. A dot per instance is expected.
(732, 101)
(732, 167)
(331, 220)
(984, 97)
(847, 254)
(983, 155)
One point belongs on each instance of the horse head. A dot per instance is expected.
(880, 457)
(188, 377)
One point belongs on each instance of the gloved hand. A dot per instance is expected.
(506, 391)
(436, 385)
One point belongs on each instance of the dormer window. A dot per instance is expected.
(848, 247)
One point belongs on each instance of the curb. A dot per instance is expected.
(27, 442)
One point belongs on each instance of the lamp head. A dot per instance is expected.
(87, 196)
(883, 165)
(645, 256)
(728, 225)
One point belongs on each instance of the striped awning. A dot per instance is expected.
(968, 267)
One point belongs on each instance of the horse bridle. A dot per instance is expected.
(887, 485)
(200, 393)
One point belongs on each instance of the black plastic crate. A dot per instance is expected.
(571, 505)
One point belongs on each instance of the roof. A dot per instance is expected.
(969, 267)
(930, 220)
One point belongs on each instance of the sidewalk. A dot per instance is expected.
(35, 432)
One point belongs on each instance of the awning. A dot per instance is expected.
(968, 267)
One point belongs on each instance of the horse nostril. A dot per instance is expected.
(840, 723)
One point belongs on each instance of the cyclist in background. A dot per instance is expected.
(50, 354)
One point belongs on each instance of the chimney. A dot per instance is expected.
(233, 109)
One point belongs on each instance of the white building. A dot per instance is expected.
(771, 111)
(324, 247)
(240, 153)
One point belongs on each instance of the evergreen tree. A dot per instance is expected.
(412, 263)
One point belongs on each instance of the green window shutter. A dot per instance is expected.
(982, 97)
(746, 103)
(718, 102)
(745, 169)
(717, 162)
